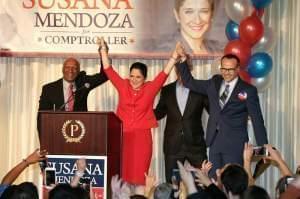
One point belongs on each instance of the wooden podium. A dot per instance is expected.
(83, 133)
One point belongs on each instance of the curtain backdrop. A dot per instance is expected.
(22, 79)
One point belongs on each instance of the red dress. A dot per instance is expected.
(135, 109)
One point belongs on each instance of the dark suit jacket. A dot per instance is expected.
(52, 93)
(232, 119)
(190, 123)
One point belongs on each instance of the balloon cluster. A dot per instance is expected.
(247, 34)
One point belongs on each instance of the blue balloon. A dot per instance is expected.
(261, 3)
(260, 64)
(232, 30)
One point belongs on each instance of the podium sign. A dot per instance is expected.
(96, 169)
(83, 133)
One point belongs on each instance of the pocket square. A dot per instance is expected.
(242, 95)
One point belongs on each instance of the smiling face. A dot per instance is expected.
(70, 69)
(194, 17)
(136, 78)
(229, 69)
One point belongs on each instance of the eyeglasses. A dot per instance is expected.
(230, 70)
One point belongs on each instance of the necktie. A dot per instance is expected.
(70, 98)
(224, 96)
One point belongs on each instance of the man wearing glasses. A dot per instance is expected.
(231, 102)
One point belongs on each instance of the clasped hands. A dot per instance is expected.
(102, 44)
(179, 53)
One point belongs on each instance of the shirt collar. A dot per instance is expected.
(232, 83)
(66, 84)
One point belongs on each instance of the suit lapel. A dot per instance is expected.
(235, 91)
(174, 98)
(218, 83)
(60, 96)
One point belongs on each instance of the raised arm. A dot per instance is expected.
(173, 59)
(198, 86)
(34, 157)
(103, 53)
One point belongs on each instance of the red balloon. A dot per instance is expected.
(240, 49)
(251, 30)
(244, 75)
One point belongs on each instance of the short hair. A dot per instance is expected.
(254, 192)
(231, 56)
(62, 191)
(137, 196)
(178, 4)
(163, 191)
(234, 179)
(282, 185)
(141, 67)
(25, 190)
(72, 59)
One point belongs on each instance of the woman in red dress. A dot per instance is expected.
(135, 109)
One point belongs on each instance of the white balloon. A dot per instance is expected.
(267, 42)
(238, 10)
(262, 83)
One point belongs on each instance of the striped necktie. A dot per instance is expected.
(224, 96)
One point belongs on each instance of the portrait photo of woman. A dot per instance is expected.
(198, 24)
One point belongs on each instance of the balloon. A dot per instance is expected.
(261, 3)
(262, 83)
(240, 49)
(251, 30)
(258, 12)
(232, 30)
(267, 42)
(237, 10)
(244, 75)
(260, 64)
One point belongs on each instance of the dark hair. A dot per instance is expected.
(254, 192)
(136, 196)
(141, 67)
(63, 191)
(282, 185)
(163, 191)
(178, 4)
(234, 179)
(25, 190)
(231, 56)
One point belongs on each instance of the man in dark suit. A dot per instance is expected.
(231, 102)
(55, 95)
(183, 136)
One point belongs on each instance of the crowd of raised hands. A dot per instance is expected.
(232, 181)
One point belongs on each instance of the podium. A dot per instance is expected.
(83, 133)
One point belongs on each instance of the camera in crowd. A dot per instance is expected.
(260, 151)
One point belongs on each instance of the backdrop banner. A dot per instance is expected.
(130, 27)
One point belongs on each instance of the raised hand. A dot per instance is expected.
(206, 166)
(150, 183)
(36, 156)
(248, 152)
(81, 164)
(202, 178)
(103, 52)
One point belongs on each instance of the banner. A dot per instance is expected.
(130, 27)
(96, 171)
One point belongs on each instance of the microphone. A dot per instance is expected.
(85, 86)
